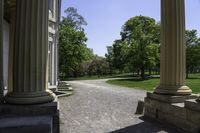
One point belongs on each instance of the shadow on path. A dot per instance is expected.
(147, 126)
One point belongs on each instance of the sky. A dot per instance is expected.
(106, 17)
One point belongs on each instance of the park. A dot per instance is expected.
(51, 81)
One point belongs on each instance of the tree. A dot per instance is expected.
(119, 55)
(73, 19)
(98, 66)
(192, 51)
(72, 40)
(141, 35)
(109, 58)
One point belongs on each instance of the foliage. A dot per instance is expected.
(192, 51)
(140, 33)
(98, 66)
(72, 51)
(73, 19)
(138, 48)
(109, 58)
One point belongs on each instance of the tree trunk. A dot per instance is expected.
(142, 73)
(138, 72)
(111, 71)
(187, 72)
(149, 71)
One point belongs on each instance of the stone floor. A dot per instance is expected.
(97, 107)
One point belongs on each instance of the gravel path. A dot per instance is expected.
(97, 107)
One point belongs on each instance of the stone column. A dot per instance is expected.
(173, 47)
(11, 46)
(1, 51)
(30, 54)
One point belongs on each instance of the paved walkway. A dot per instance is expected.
(97, 107)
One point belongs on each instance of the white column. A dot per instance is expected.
(30, 54)
(1, 51)
(173, 47)
(56, 61)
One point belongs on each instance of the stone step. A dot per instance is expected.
(32, 124)
(65, 89)
(27, 129)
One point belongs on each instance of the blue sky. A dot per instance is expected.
(106, 17)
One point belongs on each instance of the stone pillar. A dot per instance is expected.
(30, 54)
(11, 46)
(173, 47)
(1, 52)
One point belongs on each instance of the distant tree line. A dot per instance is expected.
(138, 50)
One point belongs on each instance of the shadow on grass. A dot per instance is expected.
(147, 126)
(123, 76)
(193, 78)
(136, 79)
(129, 75)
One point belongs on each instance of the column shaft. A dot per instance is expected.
(11, 48)
(30, 54)
(173, 60)
(1, 51)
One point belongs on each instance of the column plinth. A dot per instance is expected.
(173, 47)
(30, 54)
(173, 90)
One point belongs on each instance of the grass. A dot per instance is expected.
(193, 82)
(136, 83)
(101, 77)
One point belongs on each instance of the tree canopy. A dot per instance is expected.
(72, 39)
(138, 48)
(192, 51)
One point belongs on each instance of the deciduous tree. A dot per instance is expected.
(72, 43)
(141, 34)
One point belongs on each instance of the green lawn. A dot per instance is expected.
(101, 77)
(193, 82)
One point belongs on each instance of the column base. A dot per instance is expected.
(40, 118)
(192, 104)
(29, 97)
(185, 116)
(173, 90)
(171, 98)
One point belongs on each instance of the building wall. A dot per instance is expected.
(53, 42)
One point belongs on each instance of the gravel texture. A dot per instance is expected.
(97, 107)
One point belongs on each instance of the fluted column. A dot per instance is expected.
(30, 54)
(1, 51)
(173, 47)
(11, 45)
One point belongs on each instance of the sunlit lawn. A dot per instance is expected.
(193, 82)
